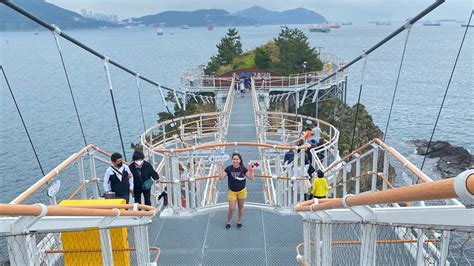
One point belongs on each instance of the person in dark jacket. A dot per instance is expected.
(164, 196)
(118, 178)
(142, 171)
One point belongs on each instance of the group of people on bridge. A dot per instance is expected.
(138, 177)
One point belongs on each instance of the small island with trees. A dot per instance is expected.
(288, 53)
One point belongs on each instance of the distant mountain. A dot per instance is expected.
(11, 20)
(197, 18)
(294, 16)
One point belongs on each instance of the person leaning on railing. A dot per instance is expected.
(143, 176)
(237, 193)
(118, 178)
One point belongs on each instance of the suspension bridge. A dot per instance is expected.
(368, 217)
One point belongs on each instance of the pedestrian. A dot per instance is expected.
(316, 132)
(164, 196)
(237, 190)
(143, 176)
(320, 186)
(118, 178)
(242, 88)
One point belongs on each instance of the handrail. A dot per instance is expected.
(156, 249)
(50, 175)
(53, 173)
(225, 144)
(407, 164)
(35, 210)
(436, 190)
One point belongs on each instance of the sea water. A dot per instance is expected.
(35, 73)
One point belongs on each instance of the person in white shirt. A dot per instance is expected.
(316, 132)
(118, 178)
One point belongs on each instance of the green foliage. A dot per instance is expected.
(295, 51)
(245, 61)
(227, 50)
(262, 58)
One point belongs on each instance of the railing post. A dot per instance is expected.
(444, 247)
(95, 189)
(82, 179)
(140, 234)
(174, 174)
(105, 241)
(385, 170)
(192, 182)
(419, 247)
(307, 239)
(357, 187)
(368, 242)
(22, 249)
(375, 160)
(344, 181)
(369, 232)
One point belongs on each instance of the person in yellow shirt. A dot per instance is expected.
(320, 186)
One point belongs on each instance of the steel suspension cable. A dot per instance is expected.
(50, 27)
(109, 83)
(358, 101)
(22, 120)
(408, 26)
(58, 46)
(446, 91)
(412, 21)
(137, 78)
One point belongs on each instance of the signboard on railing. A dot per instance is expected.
(54, 188)
(218, 157)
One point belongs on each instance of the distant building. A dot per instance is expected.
(99, 16)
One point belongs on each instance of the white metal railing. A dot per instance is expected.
(384, 228)
(189, 178)
(42, 235)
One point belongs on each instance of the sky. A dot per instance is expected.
(333, 10)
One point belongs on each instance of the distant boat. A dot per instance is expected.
(185, 27)
(320, 28)
(429, 23)
(210, 27)
(336, 25)
(465, 25)
(160, 29)
(383, 23)
(346, 23)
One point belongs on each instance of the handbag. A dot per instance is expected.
(147, 184)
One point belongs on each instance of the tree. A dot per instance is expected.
(262, 58)
(295, 51)
(227, 50)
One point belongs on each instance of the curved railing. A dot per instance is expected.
(422, 235)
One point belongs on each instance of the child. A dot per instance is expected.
(320, 186)
(164, 195)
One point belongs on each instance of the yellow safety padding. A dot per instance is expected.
(89, 239)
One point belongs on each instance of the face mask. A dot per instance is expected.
(139, 162)
(119, 165)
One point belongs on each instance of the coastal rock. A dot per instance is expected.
(452, 159)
